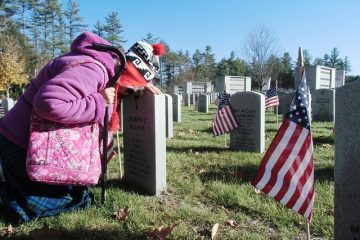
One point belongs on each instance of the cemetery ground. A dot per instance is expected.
(208, 184)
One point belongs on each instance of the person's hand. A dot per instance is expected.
(152, 89)
(108, 95)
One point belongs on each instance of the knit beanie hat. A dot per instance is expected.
(142, 65)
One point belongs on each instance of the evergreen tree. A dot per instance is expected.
(35, 36)
(223, 68)
(238, 67)
(197, 58)
(99, 29)
(113, 29)
(334, 60)
(286, 75)
(21, 7)
(326, 60)
(150, 39)
(346, 65)
(209, 65)
(318, 61)
(61, 35)
(54, 9)
(307, 58)
(7, 10)
(75, 23)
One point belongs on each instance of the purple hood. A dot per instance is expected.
(67, 90)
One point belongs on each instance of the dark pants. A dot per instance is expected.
(33, 199)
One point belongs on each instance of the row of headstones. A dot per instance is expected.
(322, 107)
(249, 111)
(145, 146)
(144, 121)
(202, 100)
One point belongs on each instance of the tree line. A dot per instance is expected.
(35, 31)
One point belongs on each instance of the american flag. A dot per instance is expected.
(224, 120)
(286, 172)
(271, 97)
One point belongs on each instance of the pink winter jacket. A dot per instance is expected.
(67, 90)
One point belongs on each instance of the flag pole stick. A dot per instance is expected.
(307, 229)
(277, 113)
(277, 106)
(225, 139)
(119, 156)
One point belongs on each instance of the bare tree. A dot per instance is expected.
(260, 45)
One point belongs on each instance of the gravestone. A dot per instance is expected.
(203, 103)
(187, 99)
(8, 103)
(249, 109)
(145, 142)
(279, 107)
(347, 164)
(169, 116)
(176, 107)
(193, 98)
(284, 102)
(323, 105)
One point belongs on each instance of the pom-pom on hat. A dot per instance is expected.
(142, 65)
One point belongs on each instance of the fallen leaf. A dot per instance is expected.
(225, 210)
(214, 231)
(7, 231)
(330, 212)
(197, 153)
(203, 170)
(239, 175)
(45, 233)
(162, 232)
(122, 214)
(232, 223)
(326, 145)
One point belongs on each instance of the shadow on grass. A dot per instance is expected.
(123, 233)
(272, 130)
(207, 130)
(245, 174)
(324, 174)
(119, 183)
(319, 140)
(196, 149)
(230, 174)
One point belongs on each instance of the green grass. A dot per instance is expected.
(202, 190)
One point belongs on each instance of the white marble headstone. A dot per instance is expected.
(145, 142)
(249, 109)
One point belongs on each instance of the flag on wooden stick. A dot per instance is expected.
(271, 97)
(224, 120)
(286, 172)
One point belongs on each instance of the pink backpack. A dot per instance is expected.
(64, 154)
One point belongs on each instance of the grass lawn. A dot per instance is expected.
(207, 184)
